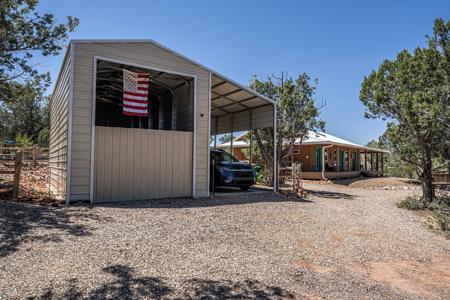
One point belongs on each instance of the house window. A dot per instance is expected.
(296, 151)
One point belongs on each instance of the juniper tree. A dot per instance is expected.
(297, 113)
(412, 92)
(24, 36)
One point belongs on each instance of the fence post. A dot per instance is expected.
(34, 156)
(17, 169)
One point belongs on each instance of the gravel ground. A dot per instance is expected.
(341, 242)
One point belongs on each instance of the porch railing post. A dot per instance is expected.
(365, 160)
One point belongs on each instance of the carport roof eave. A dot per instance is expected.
(243, 87)
(213, 72)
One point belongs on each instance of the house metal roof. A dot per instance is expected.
(313, 138)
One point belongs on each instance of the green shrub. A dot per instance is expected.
(439, 209)
(412, 203)
(22, 140)
(442, 220)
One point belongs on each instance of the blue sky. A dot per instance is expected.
(337, 42)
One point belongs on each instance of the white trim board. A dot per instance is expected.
(209, 133)
(69, 127)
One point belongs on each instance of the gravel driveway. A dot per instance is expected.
(341, 242)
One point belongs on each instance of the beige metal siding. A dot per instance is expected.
(142, 53)
(262, 118)
(181, 110)
(59, 128)
(136, 164)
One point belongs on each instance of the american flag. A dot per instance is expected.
(135, 94)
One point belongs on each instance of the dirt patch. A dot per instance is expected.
(365, 235)
(424, 279)
(313, 267)
(336, 238)
(379, 183)
(310, 250)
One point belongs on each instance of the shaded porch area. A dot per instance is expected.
(322, 161)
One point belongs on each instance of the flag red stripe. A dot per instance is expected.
(142, 82)
(142, 75)
(142, 88)
(135, 114)
(134, 100)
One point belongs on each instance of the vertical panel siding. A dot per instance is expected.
(142, 53)
(59, 129)
(154, 156)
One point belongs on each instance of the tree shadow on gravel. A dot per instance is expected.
(331, 195)
(126, 285)
(19, 220)
(222, 200)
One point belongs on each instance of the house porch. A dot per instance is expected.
(336, 161)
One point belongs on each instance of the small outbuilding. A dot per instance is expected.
(106, 147)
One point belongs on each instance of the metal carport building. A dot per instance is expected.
(100, 155)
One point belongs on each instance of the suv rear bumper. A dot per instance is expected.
(237, 182)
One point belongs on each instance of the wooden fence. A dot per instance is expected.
(13, 158)
(30, 155)
(292, 175)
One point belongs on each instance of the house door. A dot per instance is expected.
(318, 158)
(341, 160)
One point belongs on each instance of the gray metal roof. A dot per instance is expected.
(227, 95)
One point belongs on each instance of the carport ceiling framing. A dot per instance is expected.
(229, 97)
(226, 96)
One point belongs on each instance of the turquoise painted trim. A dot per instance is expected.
(318, 158)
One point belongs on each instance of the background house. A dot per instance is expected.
(324, 156)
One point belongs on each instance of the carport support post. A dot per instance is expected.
(251, 137)
(275, 163)
(215, 135)
(231, 141)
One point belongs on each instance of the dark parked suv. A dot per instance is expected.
(228, 171)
